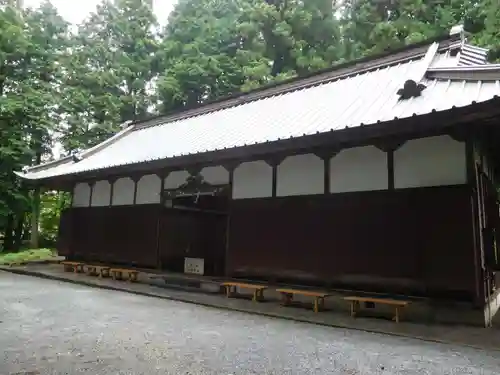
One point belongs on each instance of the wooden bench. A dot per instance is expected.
(73, 266)
(258, 290)
(94, 270)
(119, 273)
(319, 297)
(104, 271)
(356, 304)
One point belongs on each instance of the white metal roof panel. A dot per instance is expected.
(348, 102)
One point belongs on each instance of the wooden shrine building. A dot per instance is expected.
(377, 175)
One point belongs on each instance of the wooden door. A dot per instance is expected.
(176, 237)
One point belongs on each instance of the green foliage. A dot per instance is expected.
(52, 205)
(74, 87)
(26, 256)
(216, 48)
(108, 72)
(31, 44)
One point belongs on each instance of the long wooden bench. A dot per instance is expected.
(122, 273)
(356, 304)
(73, 266)
(318, 297)
(258, 290)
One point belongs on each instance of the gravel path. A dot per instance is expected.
(48, 327)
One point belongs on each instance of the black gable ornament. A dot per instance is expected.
(411, 90)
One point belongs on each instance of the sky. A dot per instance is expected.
(75, 11)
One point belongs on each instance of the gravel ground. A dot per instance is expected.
(49, 327)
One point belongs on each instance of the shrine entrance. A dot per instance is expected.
(193, 228)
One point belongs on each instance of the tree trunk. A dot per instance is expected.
(18, 231)
(8, 240)
(35, 215)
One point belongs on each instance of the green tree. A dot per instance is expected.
(31, 42)
(373, 26)
(109, 71)
(216, 48)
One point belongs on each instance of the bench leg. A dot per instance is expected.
(258, 295)
(261, 295)
(255, 295)
(354, 308)
(228, 291)
(315, 308)
(287, 298)
(396, 317)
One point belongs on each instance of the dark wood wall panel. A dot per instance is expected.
(411, 239)
(121, 234)
(145, 236)
(65, 233)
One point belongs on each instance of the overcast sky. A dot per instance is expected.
(75, 11)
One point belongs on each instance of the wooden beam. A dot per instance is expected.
(390, 169)
(326, 155)
(389, 146)
(136, 180)
(274, 161)
(111, 190)
(91, 186)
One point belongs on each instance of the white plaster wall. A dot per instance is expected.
(175, 179)
(148, 189)
(432, 161)
(101, 194)
(253, 180)
(123, 191)
(81, 195)
(217, 175)
(300, 175)
(358, 169)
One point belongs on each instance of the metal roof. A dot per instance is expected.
(343, 101)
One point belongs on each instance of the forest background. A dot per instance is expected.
(64, 87)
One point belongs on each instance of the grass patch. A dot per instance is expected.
(26, 256)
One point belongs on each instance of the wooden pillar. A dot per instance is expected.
(462, 134)
(136, 181)
(91, 186)
(274, 161)
(111, 190)
(389, 146)
(163, 174)
(230, 167)
(326, 155)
